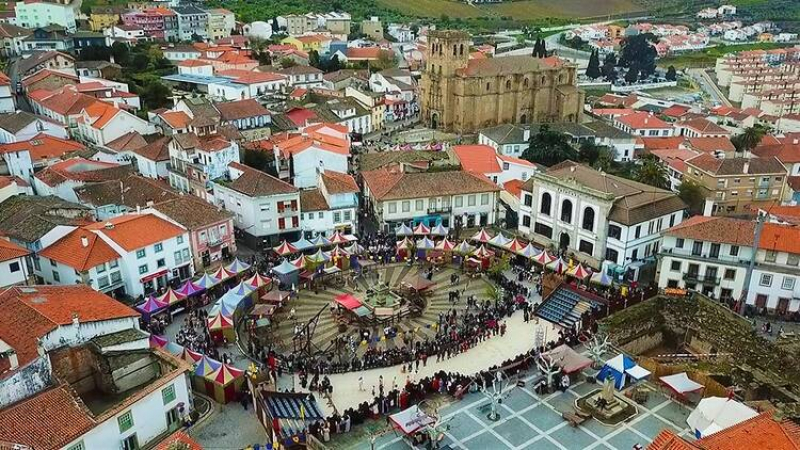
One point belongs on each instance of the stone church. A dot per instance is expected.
(464, 95)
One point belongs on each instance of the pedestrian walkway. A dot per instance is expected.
(529, 421)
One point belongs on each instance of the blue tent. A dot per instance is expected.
(620, 368)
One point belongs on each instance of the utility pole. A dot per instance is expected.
(760, 219)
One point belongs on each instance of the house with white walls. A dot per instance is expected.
(332, 206)
(101, 123)
(13, 267)
(115, 255)
(266, 210)
(318, 148)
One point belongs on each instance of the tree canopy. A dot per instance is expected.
(638, 51)
(692, 193)
(593, 69)
(748, 139)
(549, 147)
(653, 172)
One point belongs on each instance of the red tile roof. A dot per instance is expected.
(301, 116)
(176, 120)
(49, 420)
(786, 153)
(38, 310)
(711, 144)
(250, 77)
(390, 183)
(663, 143)
(44, 147)
(134, 231)
(364, 53)
(761, 432)
(513, 187)
(66, 102)
(477, 158)
(101, 113)
(715, 229)
(643, 121)
(787, 213)
(704, 126)
(780, 238)
(241, 109)
(10, 250)
(71, 251)
(185, 442)
(44, 73)
(675, 111)
(193, 63)
(518, 161)
(339, 183)
(668, 440)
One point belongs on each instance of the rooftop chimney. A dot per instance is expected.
(84, 241)
(109, 226)
(75, 320)
(746, 167)
(526, 134)
(795, 141)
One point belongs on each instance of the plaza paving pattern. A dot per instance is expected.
(529, 421)
(309, 303)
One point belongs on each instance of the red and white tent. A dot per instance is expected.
(579, 272)
(285, 249)
(515, 245)
(481, 236)
(483, 252)
(338, 238)
(544, 258)
(421, 230)
(445, 245)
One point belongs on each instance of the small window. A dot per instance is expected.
(679, 243)
(159, 247)
(788, 283)
(56, 277)
(143, 269)
(484, 199)
(488, 87)
(792, 260)
(471, 200)
(179, 240)
(125, 422)
(77, 446)
(614, 232)
(766, 280)
(730, 274)
(771, 256)
(161, 262)
(140, 253)
(14, 267)
(419, 205)
(675, 266)
(168, 394)
(734, 250)
(406, 206)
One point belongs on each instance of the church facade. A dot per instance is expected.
(463, 96)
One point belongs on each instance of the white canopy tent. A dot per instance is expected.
(411, 420)
(681, 384)
(715, 414)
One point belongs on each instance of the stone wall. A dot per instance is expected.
(704, 326)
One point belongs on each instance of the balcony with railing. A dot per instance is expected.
(692, 277)
(439, 209)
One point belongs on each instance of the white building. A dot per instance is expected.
(775, 284)
(22, 126)
(500, 169)
(196, 161)
(220, 23)
(450, 197)
(192, 21)
(604, 220)
(101, 123)
(266, 210)
(644, 124)
(135, 254)
(258, 29)
(82, 333)
(507, 139)
(300, 76)
(330, 207)
(41, 13)
(13, 269)
(708, 255)
(321, 147)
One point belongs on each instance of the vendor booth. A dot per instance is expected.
(220, 327)
(403, 230)
(499, 241)
(258, 281)
(237, 266)
(276, 297)
(189, 288)
(681, 386)
(223, 274)
(567, 359)
(715, 414)
(204, 367)
(151, 307)
(207, 281)
(341, 258)
(421, 230)
(170, 297)
(286, 416)
(481, 236)
(285, 249)
(224, 384)
(624, 370)
(287, 273)
(439, 230)
(302, 244)
(411, 420)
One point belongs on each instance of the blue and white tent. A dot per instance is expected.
(623, 369)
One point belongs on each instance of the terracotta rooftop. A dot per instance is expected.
(313, 200)
(81, 249)
(10, 250)
(138, 192)
(241, 109)
(176, 120)
(391, 183)
(191, 212)
(643, 121)
(339, 183)
(157, 150)
(704, 126)
(128, 141)
(44, 147)
(255, 183)
(477, 158)
(787, 153)
(761, 432)
(737, 166)
(715, 229)
(711, 144)
(780, 238)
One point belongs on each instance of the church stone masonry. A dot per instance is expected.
(462, 95)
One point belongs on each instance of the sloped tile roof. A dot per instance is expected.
(312, 200)
(192, 212)
(734, 166)
(241, 109)
(9, 250)
(715, 229)
(339, 183)
(255, 183)
(134, 231)
(393, 184)
(71, 251)
(477, 158)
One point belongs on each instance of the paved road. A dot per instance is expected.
(708, 85)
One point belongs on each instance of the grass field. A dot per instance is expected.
(709, 56)
(518, 10)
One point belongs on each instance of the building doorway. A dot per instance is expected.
(434, 121)
(523, 119)
(563, 241)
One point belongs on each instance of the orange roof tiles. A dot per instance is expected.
(102, 113)
(49, 420)
(668, 440)
(193, 63)
(44, 73)
(43, 147)
(10, 250)
(661, 143)
(715, 229)
(704, 126)
(339, 183)
(513, 187)
(134, 231)
(477, 158)
(176, 119)
(643, 121)
(81, 249)
(761, 432)
(711, 144)
(364, 53)
(185, 441)
(780, 238)
(514, 160)
(787, 153)
(66, 102)
(250, 77)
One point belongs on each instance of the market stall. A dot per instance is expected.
(237, 266)
(207, 281)
(567, 359)
(624, 370)
(481, 236)
(714, 414)
(681, 386)
(220, 328)
(287, 273)
(285, 248)
(151, 307)
(403, 230)
(276, 297)
(411, 420)
(224, 384)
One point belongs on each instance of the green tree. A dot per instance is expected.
(672, 75)
(593, 69)
(155, 95)
(549, 147)
(334, 64)
(275, 26)
(632, 75)
(653, 172)
(260, 160)
(588, 152)
(693, 195)
(287, 62)
(313, 59)
(748, 139)
(639, 51)
(605, 159)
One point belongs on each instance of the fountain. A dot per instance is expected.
(606, 406)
